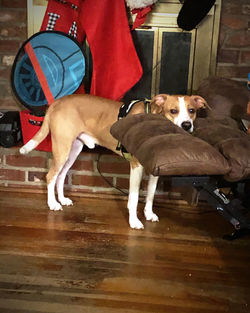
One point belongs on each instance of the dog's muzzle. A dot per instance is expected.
(186, 125)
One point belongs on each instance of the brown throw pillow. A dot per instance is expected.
(165, 149)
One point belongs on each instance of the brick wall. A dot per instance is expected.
(233, 59)
(29, 172)
(13, 32)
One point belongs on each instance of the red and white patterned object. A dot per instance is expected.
(64, 16)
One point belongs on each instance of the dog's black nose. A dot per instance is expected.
(186, 125)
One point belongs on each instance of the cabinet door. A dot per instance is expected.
(166, 55)
(144, 41)
(176, 58)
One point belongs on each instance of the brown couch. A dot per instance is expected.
(217, 146)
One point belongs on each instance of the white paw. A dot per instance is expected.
(66, 201)
(135, 223)
(55, 206)
(150, 216)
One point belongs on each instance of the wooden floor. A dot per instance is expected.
(86, 259)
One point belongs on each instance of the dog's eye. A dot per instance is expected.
(173, 111)
(192, 111)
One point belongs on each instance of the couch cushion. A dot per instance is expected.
(233, 143)
(165, 149)
(226, 97)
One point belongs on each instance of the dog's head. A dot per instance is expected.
(181, 110)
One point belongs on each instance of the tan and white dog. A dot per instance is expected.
(76, 120)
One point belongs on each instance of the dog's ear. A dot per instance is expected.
(200, 102)
(157, 103)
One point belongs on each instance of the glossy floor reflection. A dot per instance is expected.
(87, 259)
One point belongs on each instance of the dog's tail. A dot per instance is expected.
(38, 138)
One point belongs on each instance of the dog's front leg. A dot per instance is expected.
(148, 210)
(134, 187)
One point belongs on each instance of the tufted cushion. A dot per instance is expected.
(233, 143)
(165, 149)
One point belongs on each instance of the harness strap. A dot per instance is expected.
(123, 112)
(147, 106)
(125, 108)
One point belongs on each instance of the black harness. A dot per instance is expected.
(123, 112)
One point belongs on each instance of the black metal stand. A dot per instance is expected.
(231, 209)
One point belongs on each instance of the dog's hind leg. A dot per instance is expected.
(76, 148)
(134, 187)
(60, 159)
(74, 152)
(148, 210)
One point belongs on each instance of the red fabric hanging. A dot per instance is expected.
(141, 15)
(116, 66)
